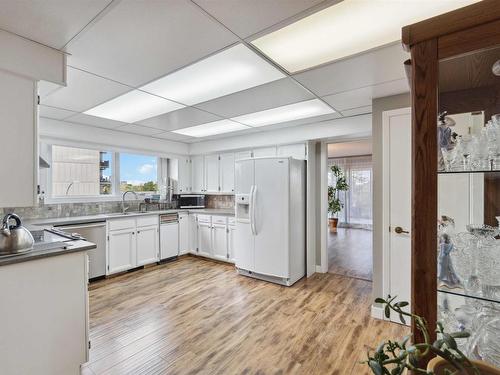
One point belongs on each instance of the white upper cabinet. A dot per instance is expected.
(197, 174)
(212, 174)
(243, 155)
(296, 151)
(264, 151)
(184, 176)
(226, 172)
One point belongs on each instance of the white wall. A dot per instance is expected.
(71, 134)
(356, 127)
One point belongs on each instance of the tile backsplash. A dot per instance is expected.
(71, 209)
(219, 201)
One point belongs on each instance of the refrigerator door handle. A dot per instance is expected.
(251, 209)
(254, 196)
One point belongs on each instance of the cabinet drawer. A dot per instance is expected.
(219, 219)
(146, 221)
(119, 224)
(204, 218)
(231, 221)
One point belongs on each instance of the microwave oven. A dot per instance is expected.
(191, 201)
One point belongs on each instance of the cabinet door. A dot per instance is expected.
(226, 166)
(219, 241)
(121, 250)
(230, 242)
(183, 233)
(184, 176)
(197, 174)
(193, 232)
(169, 240)
(147, 245)
(212, 173)
(243, 155)
(264, 151)
(205, 239)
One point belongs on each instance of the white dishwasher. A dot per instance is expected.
(169, 235)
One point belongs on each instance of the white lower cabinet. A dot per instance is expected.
(205, 239)
(193, 232)
(230, 242)
(121, 250)
(184, 245)
(219, 241)
(131, 242)
(147, 245)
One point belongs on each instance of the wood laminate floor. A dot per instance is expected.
(350, 253)
(195, 316)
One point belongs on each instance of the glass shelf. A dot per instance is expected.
(460, 292)
(465, 172)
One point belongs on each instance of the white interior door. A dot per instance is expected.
(397, 193)
(271, 198)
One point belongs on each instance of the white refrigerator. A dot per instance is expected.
(270, 241)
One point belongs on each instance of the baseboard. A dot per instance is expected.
(377, 312)
(319, 270)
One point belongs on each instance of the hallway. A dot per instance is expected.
(350, 253)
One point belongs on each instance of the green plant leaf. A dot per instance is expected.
(387, 311)
(450, 341)
(379, 300)
(376, 367)
(402, 319)
(460, 335)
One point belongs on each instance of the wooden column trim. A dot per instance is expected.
(424, 57)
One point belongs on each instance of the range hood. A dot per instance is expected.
(42, 163)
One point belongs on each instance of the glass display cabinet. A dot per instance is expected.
(454, 76)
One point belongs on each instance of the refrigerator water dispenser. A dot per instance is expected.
(242, 206)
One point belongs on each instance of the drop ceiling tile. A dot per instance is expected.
(371, 68)
(304, 121)
(100, 122)
(271, 95)
(84, 91)
(363, 96)
(357, 111)
(135, 43)
(137, 129)
(182, 118)
(54, 113)
(50, 22)
(245, 17)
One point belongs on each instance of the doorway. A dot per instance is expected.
(350, 201)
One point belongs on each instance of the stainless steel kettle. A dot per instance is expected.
(14, 238)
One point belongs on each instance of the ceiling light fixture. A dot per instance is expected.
(133, 106)
(347, 28)
(211, 128)
(234, 69)
(290, 112)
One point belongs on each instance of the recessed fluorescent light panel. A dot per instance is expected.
(133, 106)
(347, 28)
(290, 112)
(211, 128)
(234, 69)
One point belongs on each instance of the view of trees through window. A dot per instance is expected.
(138, 173)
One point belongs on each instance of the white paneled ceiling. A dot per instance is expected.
(270, 95)
(137, 41)
(117, 46)
(50, 22)
(181, 118)
(84, 91)
(371, 68)
(245, 17)
(363, 96)
(54, 113)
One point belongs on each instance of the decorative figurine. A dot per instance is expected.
(446, 272)
(446, 137)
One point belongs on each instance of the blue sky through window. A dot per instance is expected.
(137, 169)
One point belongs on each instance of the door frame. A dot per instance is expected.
(386, 210)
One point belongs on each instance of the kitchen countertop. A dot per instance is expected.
(36, 224)
(71, 247)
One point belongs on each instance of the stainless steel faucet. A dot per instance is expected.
(124, 209)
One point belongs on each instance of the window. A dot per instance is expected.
(357, 210)
(81, 172)
(138, 173)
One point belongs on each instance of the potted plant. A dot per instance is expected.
(334, 203)
(394, 357)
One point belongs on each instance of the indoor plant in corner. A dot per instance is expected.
(334, 203)
(396, 357)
